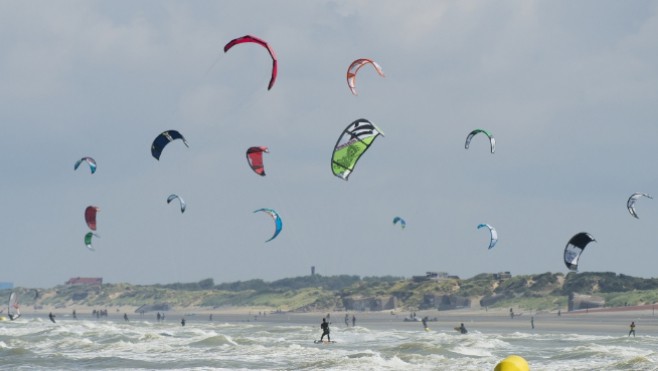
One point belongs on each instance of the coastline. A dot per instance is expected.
(611, 321)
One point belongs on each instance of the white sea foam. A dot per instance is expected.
(107, 344)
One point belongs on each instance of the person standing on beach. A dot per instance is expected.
(325, 330)
(632, 329)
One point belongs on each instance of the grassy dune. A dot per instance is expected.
(547, 291)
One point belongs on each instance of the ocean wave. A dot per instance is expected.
(212, 341)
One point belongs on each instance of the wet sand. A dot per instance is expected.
(612, 321)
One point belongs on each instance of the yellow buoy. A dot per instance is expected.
(513, 363)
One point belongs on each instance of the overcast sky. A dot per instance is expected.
(569, 89)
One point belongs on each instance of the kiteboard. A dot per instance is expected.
(323, 342)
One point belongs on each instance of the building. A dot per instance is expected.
(502, 275)
(433, 276)
(89, 281)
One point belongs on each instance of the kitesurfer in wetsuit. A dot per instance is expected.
(424, 321)
(125, 317)
(632, 329)
(325, 330)
(51, 316)
(462, 329)
(182, 322)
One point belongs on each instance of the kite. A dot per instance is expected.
(90, 216)
(355, 67)
(163, 139)
(182, 202)
(397, 219)
(253, 39)
(492, 141)
(353, 142)
(574, 248)
(277, 221)
(88, 238)
(494, 234)
(630, 204)
(255, 159)
(89, 160)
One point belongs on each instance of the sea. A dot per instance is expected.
(286, 342)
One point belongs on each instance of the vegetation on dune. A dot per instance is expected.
(546, 291)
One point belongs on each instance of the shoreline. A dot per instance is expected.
(257, 311)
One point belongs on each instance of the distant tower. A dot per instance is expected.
(313, 270)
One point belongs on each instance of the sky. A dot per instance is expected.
(568, 89)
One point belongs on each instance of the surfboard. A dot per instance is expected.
(323, 342)
(427, 329)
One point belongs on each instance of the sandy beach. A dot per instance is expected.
(600, 321)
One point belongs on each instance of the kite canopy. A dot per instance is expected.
(172, 197)
(355, 67)
(397, 220)
(494, 234)
(278, 225)
(574, 248)
(89, 160)
(253, 39)
(492, 141)
(90, 216)
(163, 139)
(352, 143)
(255, 159)
(630, 204)
(88, 238)
(13, 309)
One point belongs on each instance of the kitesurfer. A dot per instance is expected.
(353, 321)
(159, 317)
(75, 316)
(632, 331)
(325, 330)
(125, 317)
(424, 320)
(51, 316)
(347, 320)
(462, 329)
(532, 322)
(182, 322)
